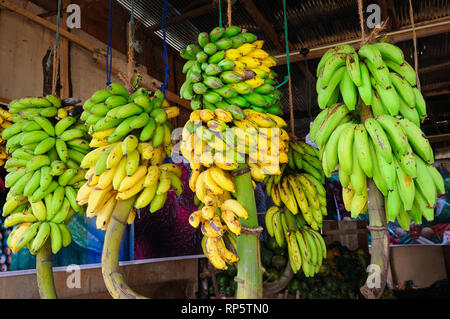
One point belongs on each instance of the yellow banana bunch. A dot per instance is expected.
(133, 136)
(42, 145)
(235, 120)
(5, 121)
(299, 184)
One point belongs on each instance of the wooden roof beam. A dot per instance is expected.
(173, 97)
(422, 31)
(434, 68)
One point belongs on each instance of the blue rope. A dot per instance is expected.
(166, 54)
(49, 60)
(286, 78)
(109, 49)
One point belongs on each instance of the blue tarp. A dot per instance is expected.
(86, 247)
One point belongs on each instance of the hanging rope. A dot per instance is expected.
(55, 69)
(375, 32)
(58, 19)
(109, 49)
(166, 54)
(229, 12)
(416, 58)
(220, 14)
(131, 47)
(361, 21)
(53, 57)
(287, 79)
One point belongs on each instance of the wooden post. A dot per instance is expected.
(379, 255)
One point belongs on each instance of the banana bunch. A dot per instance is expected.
(392, 150)
(228, 69)
(5, 121)
(123, 170)
(43, 173)
(303, 156)
(306, 247)
(220, 138)
(131, 138)
(216, 221)
(112, 114)
(378, 73)
(300, 193)
(299, 186)
(220, 250)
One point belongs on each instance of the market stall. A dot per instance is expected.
(224, 149)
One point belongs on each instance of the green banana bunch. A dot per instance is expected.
(389, 147)
(43, 172)
(230, 68)
(113, 114)
(378, 73)
(306, 247)
(131, 134)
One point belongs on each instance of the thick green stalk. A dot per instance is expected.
(271, 288)
(249, 276)
(114, 280)
(44, 272)
(379, 256)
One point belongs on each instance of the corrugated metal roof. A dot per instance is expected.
(311, 23)
(149, 13)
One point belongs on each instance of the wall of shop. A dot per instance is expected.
(24, 45)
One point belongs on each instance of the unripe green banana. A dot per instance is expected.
(345, 149)
(66, 235)
(365, 89)
(37, 162)
(33, 137)
(362, 148)
(390, 52)
(379, 138)
(57, 168)
(71, 134)
(33, 183)
(45, 124)
(357, 177)
(41, 237)
(44, 146)
(115, 101)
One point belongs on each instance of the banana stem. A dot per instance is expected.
(374, 286)
(249, 276)
(272, 288)
(44, 272)
(114, 280)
